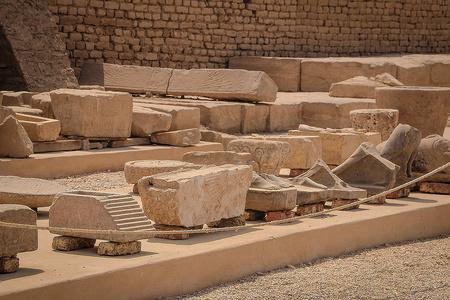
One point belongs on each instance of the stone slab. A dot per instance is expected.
(40, 129)
(31, 192)
(210, 259)
(271, 200)
(284, 71)
(59, 145)
(15, 240)
(195, 197)
(181, 138)
(226, 84)
(146, 121)
(356, 87)
(27, 110)
(135, 170)
(435, 188)
(129, 142)
(218, 158)
(133, 79)
(14, 140)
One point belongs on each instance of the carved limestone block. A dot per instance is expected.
(135, 170)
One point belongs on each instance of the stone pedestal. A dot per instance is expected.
(9, 264)
(117, 249)
(383, 121)
(69, 243)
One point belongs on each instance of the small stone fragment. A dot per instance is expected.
(14, 140)
(435, 188)
(69, 243)
(9, 264)
(116, 249)
(340, 202)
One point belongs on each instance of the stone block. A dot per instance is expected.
(269, 156)
(58, 145)
(14, 140)
(135, 170)
(146, 121)
(284, 71)
(182, 117)
(13, 98)
(129, 142)
(181, 138)
(40, 129)
(93, 113)
(305, 150)
(383, 121)
(195, 197)
(223, 84)
(278, 215)
(424, 70)
(356, 87)
(309, 209)
(341, 202)
(16, 240)
(9, 265)
(6, 112)
(69, 243)
(417, 106)
(230, 222)
(133, 79)
(31, 192)
(99, 211)
(337, 145)
(43, 101)
(92, 87)
(218, 158)
(254, 117)
(117, 249)
(27, 110)
(435, 188)
(269, 193)
(367, 170)
(432, 153)
(283, 116)
(310, 192)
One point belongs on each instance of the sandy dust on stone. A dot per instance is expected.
(94, 182)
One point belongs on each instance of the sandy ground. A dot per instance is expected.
(411, 270)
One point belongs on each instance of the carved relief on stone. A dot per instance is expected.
(432, 153)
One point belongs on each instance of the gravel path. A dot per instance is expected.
(94, 182)
(411, 270)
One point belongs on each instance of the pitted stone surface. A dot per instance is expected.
(99, 211)
(194, 197)
(135, 170)
(383, 121)
(31, 192)
(269, 156)
(15, 240)
(93, 113)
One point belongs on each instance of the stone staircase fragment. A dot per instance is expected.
(195, 197)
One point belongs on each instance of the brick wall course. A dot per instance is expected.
(205, 34)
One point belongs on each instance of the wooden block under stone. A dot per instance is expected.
(279, 215)
(69, 243)
(116, 249)
(309, 209)
(9, 264)
(340, 202)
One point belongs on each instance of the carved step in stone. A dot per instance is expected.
(9, 264)
(117, 249)
(307, 209)
(269, 193)
(383, 121)
(268, 155)
(218, 158)
(31, 192)
(435, 188)
(174, 236)
(146, 121)
(367, 170)
(14, 140)
(279, 215)
(223, 84)
(195, 197)
(180, 138)
(40, 129)
(70, 243)
(135, 170)
(229, 222)
(93, 113)
(99, 211)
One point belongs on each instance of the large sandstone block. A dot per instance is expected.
(16, 240)
(146, 121)
(40, 129)
(356, 87)
(14, 140)
(43, 101)
(284, 116)
(135, 170)
(13, 98)
(337, 144)
(182, 117)
(31, 192)
(269, 156)
(133, 79)
(284, 71)
(93, 113)
(424, 70)
(181, 138)
(224, 84)
(195, 197)
(425, 108)
(99, 211)
(27, 111)
(383, 121)
(218, 158)
(254, 117)
(306, 150)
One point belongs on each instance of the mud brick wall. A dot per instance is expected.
(205, 34)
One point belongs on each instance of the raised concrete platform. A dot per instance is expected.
(57, 164)
(175, 267)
